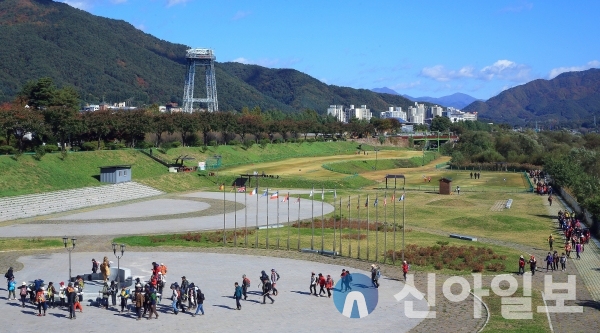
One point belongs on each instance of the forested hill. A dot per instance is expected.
(106, 59)
(572, 97)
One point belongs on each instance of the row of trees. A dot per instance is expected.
(51, 115)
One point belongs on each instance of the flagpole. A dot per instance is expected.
(349, 230)
(322, 220)
(376, 229)
(312, 219)
(223, 215)
(358, 232)
(385, 228)
(267, 197)
(289, 227)
(246, 217)
(368, 226)
(277, 220)
(298, 223)
(235, 215)
(256, 232)
(334, 220)
(394, 253)
(403, 216)
(341, 226)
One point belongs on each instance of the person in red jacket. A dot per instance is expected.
(322, 282)
(329, 285)
(404, 269)
(521, 265)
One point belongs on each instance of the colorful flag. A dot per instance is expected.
(367, 202)
(393, 197)
(265, 193)
(322, 194)
(298, 200)
(286, 198)
(401, 198)
(275, 195)
(385, 200)
(254, 191)
(242, 189)
(376, 202)
(311, 192)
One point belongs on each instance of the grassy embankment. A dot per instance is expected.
(27, 175)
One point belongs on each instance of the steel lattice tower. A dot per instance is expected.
(206, 59)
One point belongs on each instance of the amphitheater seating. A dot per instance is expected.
(24, 206)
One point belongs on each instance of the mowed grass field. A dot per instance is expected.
(311, 167)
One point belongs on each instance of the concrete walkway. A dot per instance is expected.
(589, 264)
(294, 309)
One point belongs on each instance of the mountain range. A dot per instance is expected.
(110, 60)
(570, 98)
(456, 100)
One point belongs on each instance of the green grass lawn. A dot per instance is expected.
(362, 166)
(80, 169)
(15, 244)
(498, 324)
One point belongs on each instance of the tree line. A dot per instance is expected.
(45, 114)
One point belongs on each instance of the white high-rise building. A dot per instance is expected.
(416, 114)
(361, 113)
(393, 112)
(435, 111)
(338, 112)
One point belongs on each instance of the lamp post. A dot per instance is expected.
(376, 150)
(69, 249)
(114, 246)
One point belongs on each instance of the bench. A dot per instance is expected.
(469, 238)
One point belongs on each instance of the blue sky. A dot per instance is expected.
(419, 48)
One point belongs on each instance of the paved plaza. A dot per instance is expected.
(175, 214)
(294, 309)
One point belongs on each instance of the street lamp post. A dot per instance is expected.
(114, 246)
(69, 249)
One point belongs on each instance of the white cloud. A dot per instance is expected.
(517, 7)
(240, 15)
(557, 71)
(88, 4)
(440, 73)
(171, 3)
(268, 62)
(82, 4)
(141, 26)
(505, 70)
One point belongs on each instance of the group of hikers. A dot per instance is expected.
(477, 175)
(268, 285)
(43, 296)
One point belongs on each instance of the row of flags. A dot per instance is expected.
(275, 196)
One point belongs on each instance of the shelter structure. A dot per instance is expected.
(445, 186)
(395, 178)
(115, 174)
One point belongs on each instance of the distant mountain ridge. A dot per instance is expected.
(110, 60)
(572, 97)
(456, 100)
